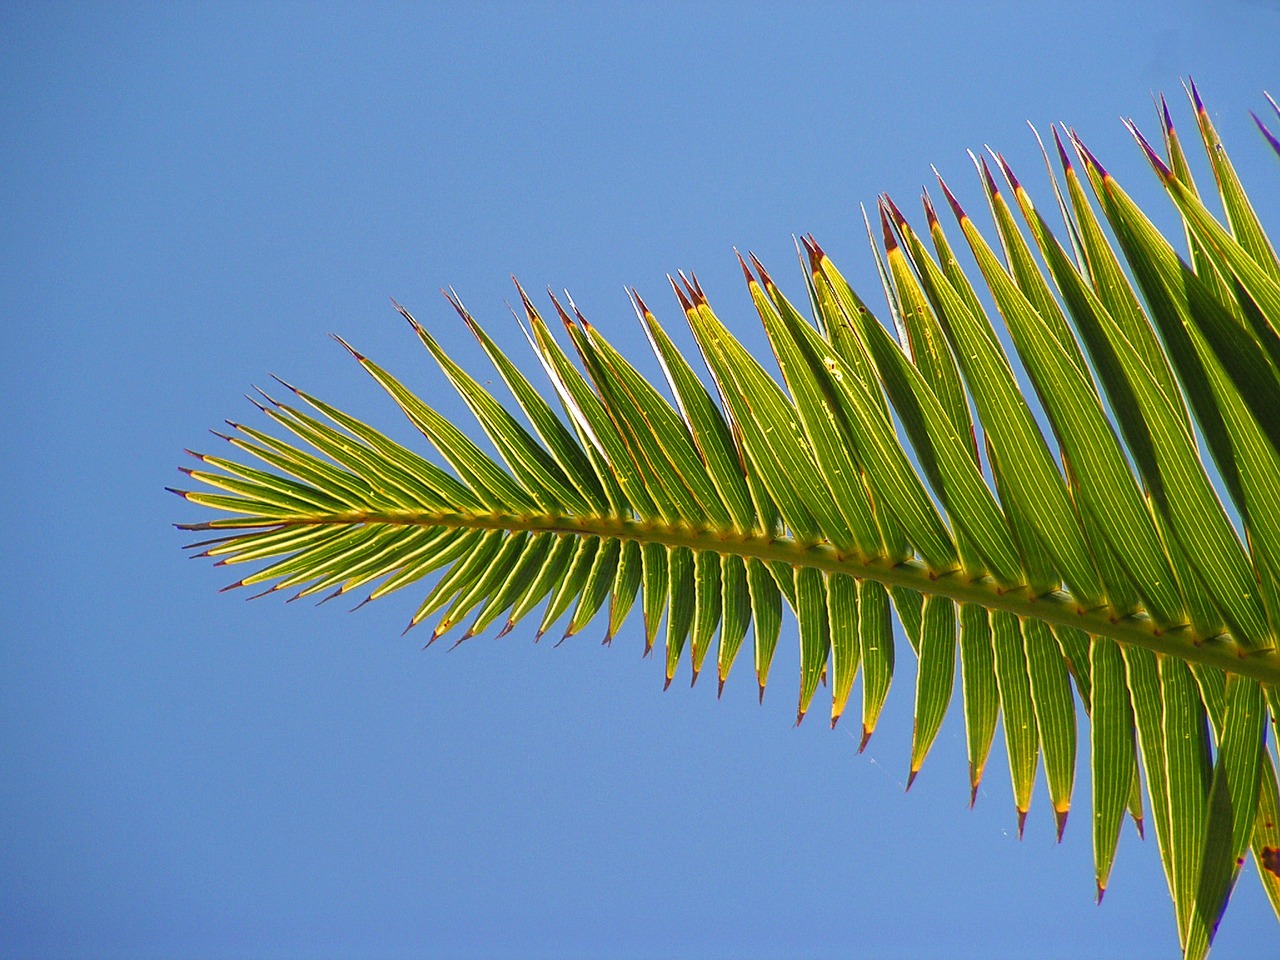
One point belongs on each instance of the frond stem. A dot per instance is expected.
(1058, 607)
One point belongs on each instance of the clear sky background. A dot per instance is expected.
(194, 196)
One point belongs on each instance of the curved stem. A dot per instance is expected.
(1057, 608)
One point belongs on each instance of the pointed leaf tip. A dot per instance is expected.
(911, 778)
(1060, 817)
(1161, 168)
(285, 383)
(973, 795)
(1168, 120)
(350, 349)
(640, 304)
(1195, 95)
(1271, 138)
(720, 689)
(764, 274)
(1062, 151)
(1089, 158)
(951, 198)
(684, 301)
(930, 214)
(746, 271)
(564, 317)
(866, 737)
(1008, 172)
(890, 242)
(1022, 822)
(894, 212)
(409, 319)
(986, 175)
(666, 684)
(1101, 890)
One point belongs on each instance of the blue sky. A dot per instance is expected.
(194, 196)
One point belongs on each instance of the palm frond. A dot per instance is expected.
(1091, 566)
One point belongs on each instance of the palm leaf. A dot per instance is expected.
(1091, 564)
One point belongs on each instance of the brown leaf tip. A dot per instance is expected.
(1271, 138)
(911, 778)
(813, 245)
(1089, 158)
(951, 198)
(1062, 151)
(1022, 822)
(986, 175)
(1164, 113)
(1060, 816)
(1161, 168)
(890, 241)
(866, 737)
(1101, 890)
(1195, 96)
(684, 301)
(763, 273)
(1008, 173)
(350, 349)
(640, 304)
(930, 214)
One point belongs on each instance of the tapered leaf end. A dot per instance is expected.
(1022, 822)
(1270, 137)
(1161, 168)
(684, 301)
(930, 214)
(1089, 158)
(890, 241)
(350, 349)
(1060, 819)
(866, 737)
(1195, 96)
(911, 778)
(956, 209)
(1101, 892)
